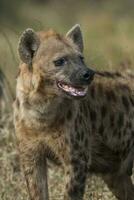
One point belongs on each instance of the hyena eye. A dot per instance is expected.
(60, 62)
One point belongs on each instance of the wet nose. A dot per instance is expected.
(87, 75)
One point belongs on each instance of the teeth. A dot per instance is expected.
(73, 91)
(65, 87)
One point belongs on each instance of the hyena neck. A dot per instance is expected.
(48, 113)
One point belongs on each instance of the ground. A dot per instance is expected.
(12, 183)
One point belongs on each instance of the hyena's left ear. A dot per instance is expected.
(76, 35)
(28, 45)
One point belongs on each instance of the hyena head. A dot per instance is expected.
(56, 62)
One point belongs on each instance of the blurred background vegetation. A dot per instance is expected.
(107, 25)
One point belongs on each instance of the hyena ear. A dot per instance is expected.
(28, 45)
(75, 34)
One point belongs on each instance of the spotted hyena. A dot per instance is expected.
(66, 112)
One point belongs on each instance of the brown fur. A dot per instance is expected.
(94, 134)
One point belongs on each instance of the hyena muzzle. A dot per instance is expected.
(77, 118)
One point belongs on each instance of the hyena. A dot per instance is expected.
(78, 118)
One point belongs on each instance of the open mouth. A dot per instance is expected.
(73, 90)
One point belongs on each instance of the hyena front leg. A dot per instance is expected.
(75, 181)
(121, 186)
(34, 166)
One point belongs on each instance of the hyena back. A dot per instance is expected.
(65, 112)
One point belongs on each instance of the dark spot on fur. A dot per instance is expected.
(111, 120)
(123, 87)
(81, 177)
(93, 126)
(100, 89)
(69, 115)
(75, 168)
(81, 156)
(81, 108)
(128, 144)
(101, 129)
(92, 115)
(76, 125)
(75, 161)
(82, 135)
(66, 141)
(74, 191)
(76, 146)
(129, 169)
(119, 134)
(124, 152)
(110, 95)
(109, 74)
(17, 103)
(129, 125)
(131, 75)
(86, 142)
(123, 143)
(103, 111)
(48, 81)
(85, 109)
(62, 120)
(124, 132)
(133, 133)
(67, 186)
(67, 172)
(117, 153)
(78, 135)
(121, 119)
(80, 118)
(92, 92)
(58, 121)
(115, 132)
(125, 102)
(132, 101)
(72, 140)
(118, 74)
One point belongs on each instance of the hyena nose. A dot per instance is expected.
(87, 75)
